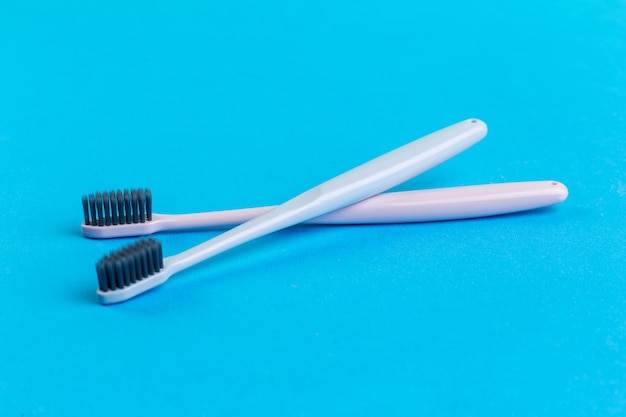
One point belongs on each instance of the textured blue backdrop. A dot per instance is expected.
(236, 104)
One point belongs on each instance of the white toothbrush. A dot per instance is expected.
(399, 207)
(139, 267)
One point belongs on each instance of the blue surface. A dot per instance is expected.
(238, 104)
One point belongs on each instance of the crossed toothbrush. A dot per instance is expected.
(350, 198)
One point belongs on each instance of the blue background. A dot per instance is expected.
(237, 104)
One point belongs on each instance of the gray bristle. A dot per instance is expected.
(92, 208)
(120, 207)
(107, 208)
(148, 204)
(86, 209)
(114, 213)
(130, 264)
(135, 205)
(115, 207)
(99, 209)
(127, 208)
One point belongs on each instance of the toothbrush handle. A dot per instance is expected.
(399, 207)
(450, 203)
(371, 178)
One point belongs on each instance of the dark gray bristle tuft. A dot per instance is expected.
(135, 204)
(130, 264)
(115, 207)
(127, 207)
(86, 209)
(120, 207)
(114, 214)
(148, 204)
(107, 208)
(92, 209)
(100, 209)
(141, 196)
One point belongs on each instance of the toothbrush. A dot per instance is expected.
(140, 267)
(450, 203)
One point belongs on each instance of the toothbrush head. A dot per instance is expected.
(130, 271)
(111, 208)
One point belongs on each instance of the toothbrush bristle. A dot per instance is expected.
(130, 264)
(111, 208)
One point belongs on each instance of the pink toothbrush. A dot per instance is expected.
(397, 207)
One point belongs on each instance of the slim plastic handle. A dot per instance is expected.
(449, 203)
(364, 181)
(398, 207)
